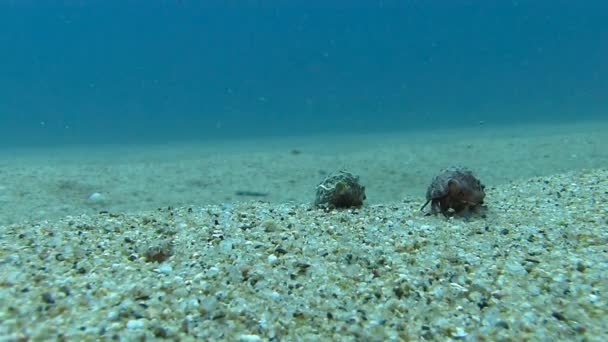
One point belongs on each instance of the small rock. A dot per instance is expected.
(165, 268)
(96, 197)
(135, 324)
(272, 259)
(250, 338)
(48, 298)
(459, 333)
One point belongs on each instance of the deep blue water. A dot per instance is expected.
(155, 71)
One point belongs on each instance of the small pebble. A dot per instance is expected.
(135, 324)
(96, 197)
(213, 271)
(48, 298)
(250, 338)
(165, 268)
(459, 333)
(272, 259)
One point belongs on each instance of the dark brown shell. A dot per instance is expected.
(439, 185)
(470, 191)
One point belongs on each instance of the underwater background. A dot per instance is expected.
(161, 164)
(89, 72)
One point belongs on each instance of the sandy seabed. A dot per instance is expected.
(173, 247)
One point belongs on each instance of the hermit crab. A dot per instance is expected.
(340, 190)
(455, 191)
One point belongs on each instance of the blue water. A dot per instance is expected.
(74, 72)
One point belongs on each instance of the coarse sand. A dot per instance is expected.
(220, 266)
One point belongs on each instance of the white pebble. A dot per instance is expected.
(459, 333)
(272, 259)
(250, 338)
(112, 315)
(135, 324)
(165, 268)
(96, 197)
(213, 271)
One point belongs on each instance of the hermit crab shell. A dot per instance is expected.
(439, 188)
